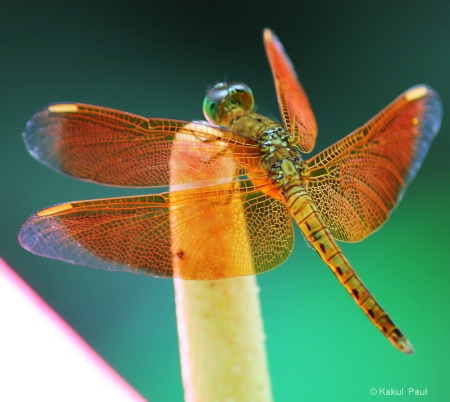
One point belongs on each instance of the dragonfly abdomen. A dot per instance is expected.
(310, 222)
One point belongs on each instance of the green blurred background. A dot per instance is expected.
(157, 59)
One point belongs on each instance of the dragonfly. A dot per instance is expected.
(344, 193)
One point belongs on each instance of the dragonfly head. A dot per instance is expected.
(224, 102)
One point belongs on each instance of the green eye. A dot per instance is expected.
(211, 103)
(223, 99)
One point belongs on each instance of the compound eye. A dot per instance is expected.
(218, 92)
(240, 86)
(243, 96)
(212, 101)
(223, 98)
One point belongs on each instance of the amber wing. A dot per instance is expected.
(296, 112)
(356, 182)
(117, 148)
(134, 233)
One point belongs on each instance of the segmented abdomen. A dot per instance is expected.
(308, 218)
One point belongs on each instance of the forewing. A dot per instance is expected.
(117, 148)
(357, 181)
(134, 233)
(295, 110)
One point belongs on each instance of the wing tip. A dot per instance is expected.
(54, 210)
(417, 92)
(267, 34)
(62, 108)
(270, 38)
(428, 123)
(431, 113)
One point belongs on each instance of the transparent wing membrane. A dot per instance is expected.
(117, 148)
(134, 233)
(295, 110)
(357, 181)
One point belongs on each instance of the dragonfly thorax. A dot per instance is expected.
(281, 158)
(284, 165)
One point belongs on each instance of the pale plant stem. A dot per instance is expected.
(220, 329)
